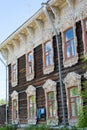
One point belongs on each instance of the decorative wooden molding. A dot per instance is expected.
(15, 82)
(22, 38)
(31, 91)
(63, 14)
(4, 53)
(14, 96)
(49, 69)
(49, 86)
(70, 3)
(40, 24)
(31, 32)
(71, 61)
(72, 79)
(55, 10)
(16, 44)
(30, 77)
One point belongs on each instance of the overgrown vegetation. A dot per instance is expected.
(8, 128)
(82, 118)
(2, 101)
(43, 127)
(37, 127)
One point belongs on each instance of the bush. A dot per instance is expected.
(43, 127)
(37, 127)
(8, 128)
(82, 119)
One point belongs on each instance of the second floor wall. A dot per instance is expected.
(43, 64)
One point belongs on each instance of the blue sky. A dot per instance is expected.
(13, 13)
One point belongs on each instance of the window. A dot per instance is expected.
(74, 101)
(15, 116)
(14, 109)
(31, 107)
(51, 104)
(72, 83)
(69, 44)
(29, 66)
(48, 54)
(14, 73)
(85, 28)
(29, 63)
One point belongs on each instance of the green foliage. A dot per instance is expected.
(43, 127)
(82, 119)
(68, 128)
(2, 101)
(8, 128)
(84, 92)
(37, 127)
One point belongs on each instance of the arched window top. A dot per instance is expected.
(31, 90)
(49, 85)
(14, 95)
(72, 79)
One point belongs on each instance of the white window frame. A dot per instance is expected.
(50, 86)
(71, 61)
(14, 96)
(31, 91)
(30, 77)
(14, 83)
(48, 69)
(72, 79)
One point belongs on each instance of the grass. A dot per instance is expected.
(43, 127)
(8, 128)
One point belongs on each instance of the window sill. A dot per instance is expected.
(70, 62)
(52, 122)
(16, 121)
(30, 77)
(32, 121)
(48, 70)
(73, 121)
(14, 84)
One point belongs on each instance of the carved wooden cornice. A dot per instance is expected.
(32, 31)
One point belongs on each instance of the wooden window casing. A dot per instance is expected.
(73, 103)
(14, 71)
(48, 54)
(29, 63)
(31, 107)
(50, 105)
(69, 45)
(14, 109)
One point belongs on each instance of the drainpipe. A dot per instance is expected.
(6, 87)
(44, 5)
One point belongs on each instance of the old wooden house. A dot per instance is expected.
(45, 65)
